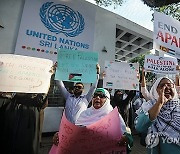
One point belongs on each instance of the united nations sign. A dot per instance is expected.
(57, 24)
(60, 18)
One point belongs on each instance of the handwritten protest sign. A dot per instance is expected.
(160, 65)
(121, 75)
(100, 137)
(166, 36)
(76, 66)
(24, 74)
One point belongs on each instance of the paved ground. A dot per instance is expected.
(47, 143)
(138, 148)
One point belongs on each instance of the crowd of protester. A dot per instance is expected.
(154, 115)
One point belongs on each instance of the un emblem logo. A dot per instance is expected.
(61, 19)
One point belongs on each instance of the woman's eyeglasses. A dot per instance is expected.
(100, 95)
(169, 85)
(78, 87)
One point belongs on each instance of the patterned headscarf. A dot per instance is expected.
(167, 122)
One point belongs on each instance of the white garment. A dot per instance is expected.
(145, 93)
(138, 102)
(125, 96)
(92, 115)
(75, 106)
(153, 91)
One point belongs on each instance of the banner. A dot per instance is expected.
(77, 66)
(160, 65)
(100, 137)
(121, 75)
(24, 74)
(49, 25)
(166, 34)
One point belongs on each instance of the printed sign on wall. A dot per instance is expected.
(24, 74)
(166, 34)
(160, 65)
(47, 26)
(121, 75)
(77, 66)
(97, 138)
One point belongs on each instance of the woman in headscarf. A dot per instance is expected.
(160, 117)
(101, 107)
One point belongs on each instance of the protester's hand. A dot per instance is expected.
(123, 141)
(6, 94)
(103, 74)
(45, 105)
(177, 80)
(53, 68)
(162, 98)
(98, 68)
(128, 130)
(177, 67)
(138, 76)
(56, 139)
(143, 79)
(143, 72)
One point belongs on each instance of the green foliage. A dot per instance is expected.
(172, 10)
(159, 3)
(140, 59)
(109, 2)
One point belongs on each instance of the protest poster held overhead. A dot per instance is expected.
(24, 74)
(121, 75)
(76, 66)
(166, 34)
(160, 65)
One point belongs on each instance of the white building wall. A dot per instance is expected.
(133, 27)
(10, 14)
(105, 35)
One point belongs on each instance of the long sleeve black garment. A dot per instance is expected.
(123, 106)
(19, 117)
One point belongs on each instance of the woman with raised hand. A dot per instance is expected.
(144, 90)
(160, 117)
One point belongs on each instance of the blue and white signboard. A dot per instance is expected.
(49, 25)
(76, 66)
